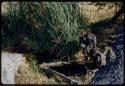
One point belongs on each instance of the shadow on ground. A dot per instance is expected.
(74, 69)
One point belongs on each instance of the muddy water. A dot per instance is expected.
(74, 69)
(113, 72)
(71, 69)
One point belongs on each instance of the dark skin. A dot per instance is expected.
(95, 57)
(86, 42)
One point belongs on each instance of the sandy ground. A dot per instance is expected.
(15, 70)
(89, 11)
(4, 7)
(10, 63)
(25, 75)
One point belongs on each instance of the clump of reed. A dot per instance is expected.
(42, 26)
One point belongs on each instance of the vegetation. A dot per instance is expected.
(30, 73)
(38, 27)
(53, 27)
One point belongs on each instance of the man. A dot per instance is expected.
(83, 43)
(87, 42)
(91, 41)
(96, 57)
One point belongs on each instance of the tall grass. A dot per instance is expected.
(63, 26)
(48, 26)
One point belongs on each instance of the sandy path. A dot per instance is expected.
(10, 63)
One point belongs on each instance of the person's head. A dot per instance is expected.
(88, 31)
(82, 33)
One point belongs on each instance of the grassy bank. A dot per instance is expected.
(30, 73)
(37, 27)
